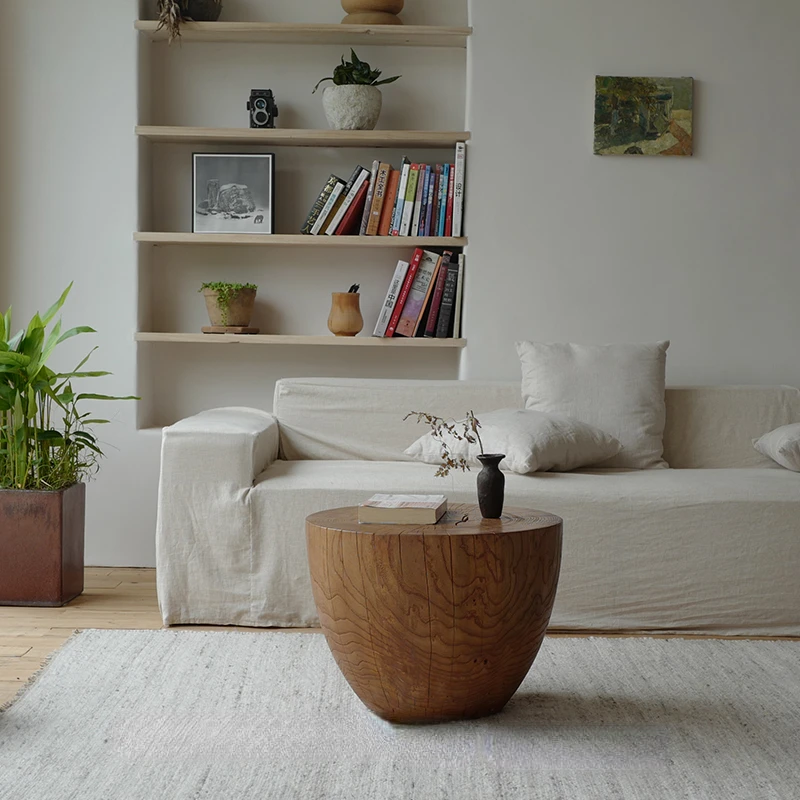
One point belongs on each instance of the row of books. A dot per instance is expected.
(424, 297)
(413, 200)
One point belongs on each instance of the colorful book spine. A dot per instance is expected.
(351, 220)
(415, 302)
(385, 225)
(411, 197)
(448, 220)
(319, 204)
(431, 204)
(350, 193)
(378, 199)
(443, 184)
(418, 202)
(325, 213)
(392, 296)
(458, 198)
(448, 303)
(457, 311)
(404, 292)
(436, 302)
(401, 197)
(424, 206)
(437, 195)
(370, 193)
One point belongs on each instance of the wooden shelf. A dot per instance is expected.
(298, 240)
(315, 341)
(285, 137)
(279, 33)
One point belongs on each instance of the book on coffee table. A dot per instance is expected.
(403, 509)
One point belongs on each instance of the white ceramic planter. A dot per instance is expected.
(352, 108)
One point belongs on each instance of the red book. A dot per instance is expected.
(403, 296)
(438, 291)
(451, 190)
(354, 214)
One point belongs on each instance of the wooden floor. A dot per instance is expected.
(117, 599)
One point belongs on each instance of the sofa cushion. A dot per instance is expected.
(531, 441)
(341, 418)
(671, 549)
(782, 445)
(714, 426)
(618, 388)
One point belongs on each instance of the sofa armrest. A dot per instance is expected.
(223, 445)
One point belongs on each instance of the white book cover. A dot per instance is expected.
(391, 299)
(405, 501)
(458, 193)
(370, 193)
(459, 298)
(348, 201)
(328, 207)
(401, 195)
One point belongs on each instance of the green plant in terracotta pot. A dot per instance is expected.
(354, 101)
(229, 304)
(171, 13)
(48, 449)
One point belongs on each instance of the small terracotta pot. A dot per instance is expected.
(239, 311)
(372, 12)
(345, 318)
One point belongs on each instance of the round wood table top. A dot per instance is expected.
(514, 520)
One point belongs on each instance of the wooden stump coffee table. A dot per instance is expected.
(435, 622)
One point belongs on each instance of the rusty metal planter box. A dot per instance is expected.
(41, 546)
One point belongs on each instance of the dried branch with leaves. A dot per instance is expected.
(466, 430)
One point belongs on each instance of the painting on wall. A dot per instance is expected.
(643, 116)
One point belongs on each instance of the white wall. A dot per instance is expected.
(564, 244)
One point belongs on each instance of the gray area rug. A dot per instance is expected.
(234, 716)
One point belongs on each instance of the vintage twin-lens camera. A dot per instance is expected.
(262, 108)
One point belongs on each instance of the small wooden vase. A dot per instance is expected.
(345, 318)
(372, 12)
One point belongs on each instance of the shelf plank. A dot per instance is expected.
(283, 340)
(281, 33)
(297, 240)
(285, 137)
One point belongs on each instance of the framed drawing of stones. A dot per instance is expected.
(233, 193)
(643, 116)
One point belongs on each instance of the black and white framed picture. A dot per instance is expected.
(234, 193)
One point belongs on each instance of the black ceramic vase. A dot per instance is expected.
(491, 486)
(203, 10)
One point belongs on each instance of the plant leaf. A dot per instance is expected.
(56, 307)
(75, 332)
(103, 397)
(388, 80)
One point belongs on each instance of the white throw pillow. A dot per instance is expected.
(781, 445)
(532, 442)
(618, 388)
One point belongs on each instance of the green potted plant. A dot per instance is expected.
(47, 451)
(354, 101)
(171, 13)
(229, 304)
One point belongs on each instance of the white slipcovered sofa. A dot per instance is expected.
(710, 545)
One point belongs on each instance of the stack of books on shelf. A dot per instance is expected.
(413, 200)
(424, 297)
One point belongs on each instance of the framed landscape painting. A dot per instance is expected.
(234, 193)
(643, 116)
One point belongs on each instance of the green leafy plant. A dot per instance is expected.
(465, 430)
(171, 13)
(356, 72)
(226, 292)
(46, 441)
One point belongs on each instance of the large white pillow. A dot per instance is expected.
(532, 442)
(781, 445)
(618, 388)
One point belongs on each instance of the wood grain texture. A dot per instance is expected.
(435, 622)
(305, 33)
(287, 137)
